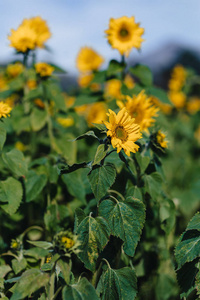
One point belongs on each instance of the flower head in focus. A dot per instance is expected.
(88, 60)
(123, 131)
(142, 109)
(124, 34)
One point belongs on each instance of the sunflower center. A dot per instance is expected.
(124, 32)
(121, 133)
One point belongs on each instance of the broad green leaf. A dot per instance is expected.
(93, 236)
(65, 267)
(15, 161)
(143, 161)
(167, 215)
(100, 154)
(75, 185)
(79, 217)
(2, 136)
(115, 67)
(83, 290)
(38, 118)
(143, 73)
(101, 179)
(101, 127)
(30, 281)
(66, 148)
(36, 253)
(99, 77)
(34, 93)
(194, 222)
(85, 99)
(125, 219)
(41, 244)
(197, 283)
(34, 184)
(4, 269)
(54, 94)
(158, 93)
(11, 193)
(89, 133)
(119, 284)
(153, 184)
(19, 265)
(55, 216)
(16, 84)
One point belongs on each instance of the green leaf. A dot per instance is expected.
(101, 127)
(83, 290)
(75, 185)
(119, 284)
(4, 269)
(101, 179)
(153, 184)
(15, 161)
(158, 93)
(79, 217)
(38, 118)
(100, 154)
(143, 161)
(85, 99)
(65, 267)
(89, 133)
(11, 193)
(19, 265)
(66, 148)
(93, 236)
(115, 67)
(99, 77)
(35, 93)
(53, 93)
(30, 281)
(143, 73)
(41, 244)
(167, 215)
(125, 219)
(2, 136)
(194, 222)
(34, 184)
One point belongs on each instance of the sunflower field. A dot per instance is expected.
(100, 185)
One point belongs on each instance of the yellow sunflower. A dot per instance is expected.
(88, 60)
(160, 137)
(124, 34)
(96, 113)
(177, 98)
(5, 110)
(43, 69)
(113, 89)
(123, 131)
(178, 78)
(40, 28)
(13, 70)
(142, 109)
(23, 38)
(193, 105)
(65, 122)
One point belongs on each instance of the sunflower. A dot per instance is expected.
(96, 113)
(142, 109)
(5, 110)
(124, 34)
(123, 131)
(177, 98)
(160, 138)
(13, 70)
(178, 78)
(88, 60)
(43, 69)
(113, 89)
(193, 105)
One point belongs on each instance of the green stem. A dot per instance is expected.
(51, 285)
(117, 193)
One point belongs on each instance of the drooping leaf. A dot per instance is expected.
(15, 161)
(194, 222)
(65, 267)
(119, 284)
(101, 127)
(101, 179)
(143, 73)
(11, 193)
(158, 93)
(38, 118)
(30, 281)
(186, 277)
(153, 184)
(41, 244)
(115, 67)
(19, 265)
(93, 235)
(4, 269)
(79, 217)
(2, 136)
(75, 185)
(143, 161)
(89, 133)
(100, 154)
(34, 184)
(126, 220)
(83, 290)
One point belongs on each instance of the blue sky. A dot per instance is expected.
(78, 23)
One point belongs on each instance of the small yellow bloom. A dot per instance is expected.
(160, 137)
(113, 89)
(68, 243)
(38, 102)
(43, 69)
(84, 81)
(3, 83)
(96, 113)
(142, 109)
(20, 146)
(88, 60)
(66, 122)
(178, 78)
(124, 34)
(177, 98)
(129, 81)
(13, 70)
(32, 84)
(69, 100)
(5, 110)
(12, 100)
(193, 105)
(15, 244)
(123, 131)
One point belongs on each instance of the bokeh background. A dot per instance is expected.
(170, 27)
